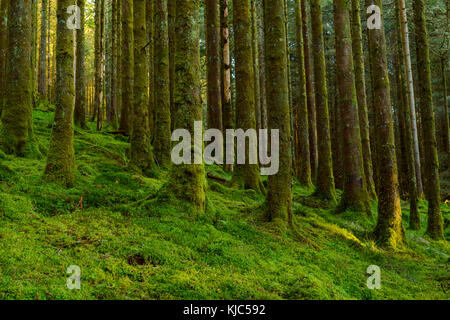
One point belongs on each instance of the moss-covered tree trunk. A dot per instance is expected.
(262, 65)
(172, 8)
(431, 164)
(3, 48)
(16, 135)
(302, 158)
(310, 93)
(108, 57)
(360, 80)
(355, 194)
(150, 7)
(279, 198)
(42, 83)
(80, 95)
(255, 51)
(446, 131)
(140, 149)
(245, 88)
(114, 71)
(389, 231)
(410, 92)
(98, 62)
(405, 125)
(162, 84)
(60, 166)
(119, 60)
(227, 105)
(213, 63)
(187, 181)
(325, 179)
(127, 67)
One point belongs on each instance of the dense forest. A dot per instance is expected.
(320, 149)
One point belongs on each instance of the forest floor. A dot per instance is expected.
(130, 247)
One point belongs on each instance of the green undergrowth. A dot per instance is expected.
(129, 245)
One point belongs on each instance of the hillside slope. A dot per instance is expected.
(130, 246)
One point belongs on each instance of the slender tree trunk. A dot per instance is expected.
(389, 231)
(152, 64)
(60, 166)
(16, 131)
(162, 84)
(80, 96)
(127, 67)
(187, 182)
(172, 7)
(360, 80)
(108, 54)
(42, 85)
(262, 66)
(212, 24)
(444, 94)
(410, 92)
(303, 164)
(114, 73)
(245, 89)
(279, 198)
(434, 227)
(310, 94)
(140, 149)
(255, 50)
(3, 48)
(227, 105)
(325, 179)
(119, 62)
(355, 194)
(98, 63)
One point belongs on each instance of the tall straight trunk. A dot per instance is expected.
(212, 26)
(262, 65)
(227, 105)
(389, 231)
(172, 7)
(114, 71)
(187, 181)
(410, 92)
(255, 50)
(245, 89)
(119, 61)
(162, 84)
(150, 7)
(34, 46)
(80, 83)
(432, 187)
(355, 194)
(444, 94)
(60, 166)
(108, 54)
(3, 48)
(42, 84)
(98, 63)
(140, 149)
(310, 94)
(279, 198)
(325, 179)
(405, 120)
(16, 118)
(360, 80)
(49, 24)
(127, 67)
(303, 164)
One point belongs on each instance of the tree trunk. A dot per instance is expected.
(279, 198)
(140, 149)
(127, 67)
(262, 66)
(255, 51)
(360, 80)
(187, 181)
(98, 63)
(410, 92)
(227, 105)
(303, 164)
(389, 231)
(245, 89)
(212, 26)
(432, 187)
(444, 94)
(355, 195)
(150, 7)
(42, 85)
(162, 84)
(80, 96)
(325, 179)
(3, 48)
(60, 166)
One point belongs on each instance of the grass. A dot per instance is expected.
(130, 247)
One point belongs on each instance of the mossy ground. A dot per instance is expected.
(129, 247)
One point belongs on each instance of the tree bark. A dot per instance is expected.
(42, 85)
(80, 95)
